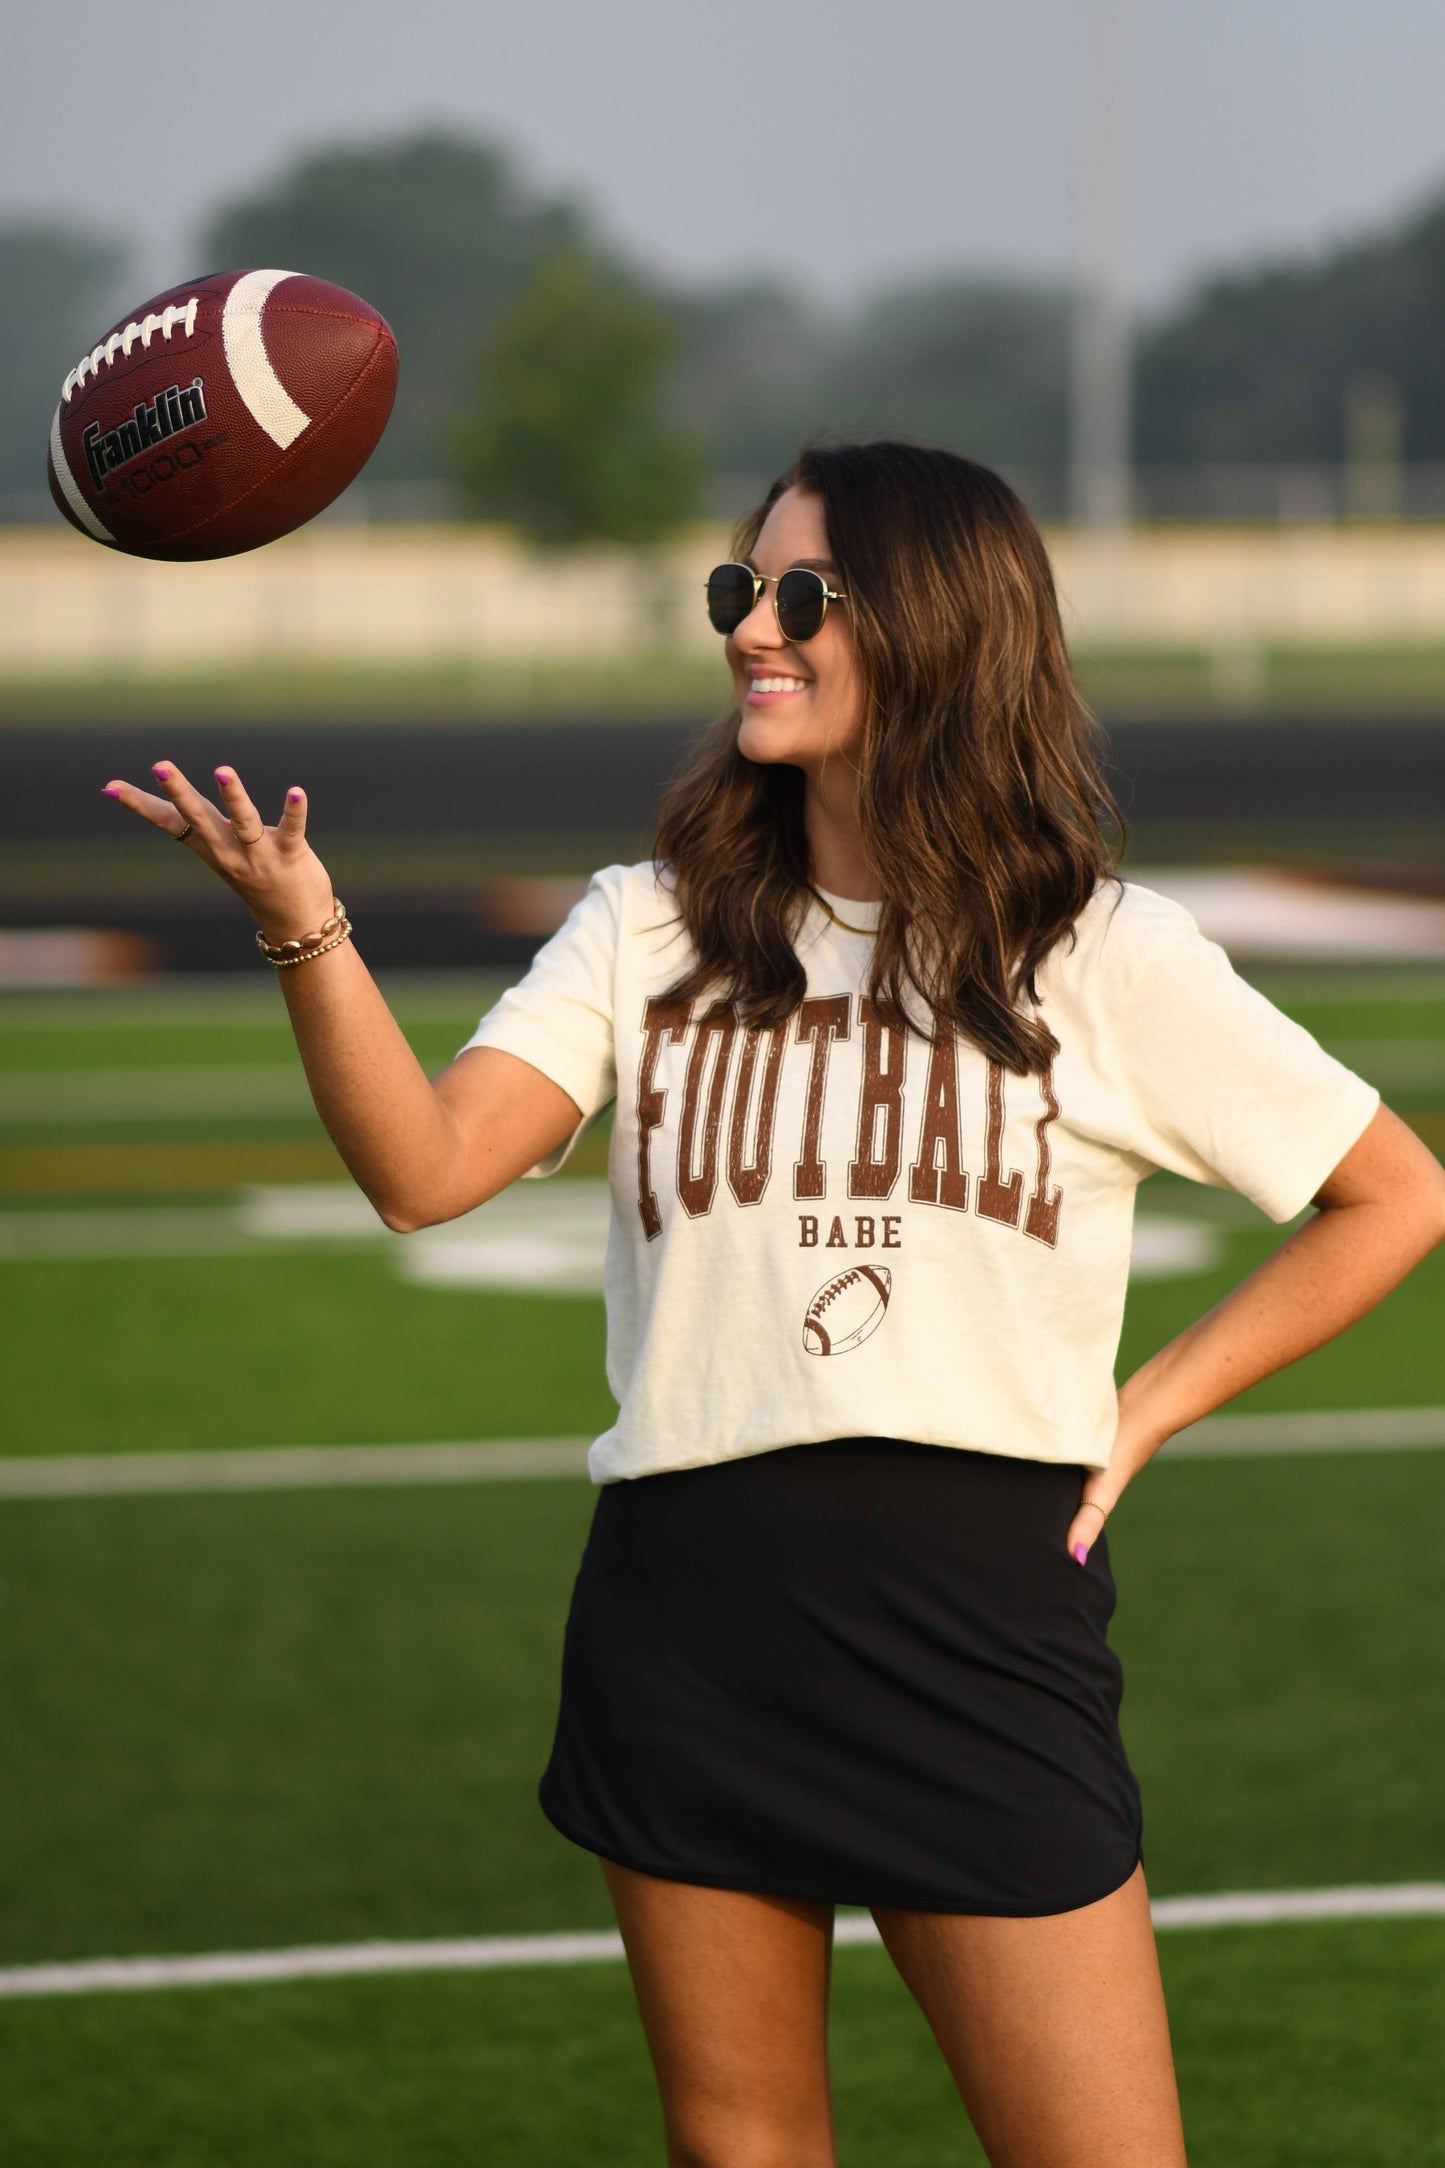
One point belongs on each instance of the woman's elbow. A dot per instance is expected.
(406, 1215)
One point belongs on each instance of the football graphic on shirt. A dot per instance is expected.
(846, 1309)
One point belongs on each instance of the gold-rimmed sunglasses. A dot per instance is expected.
(801, 601)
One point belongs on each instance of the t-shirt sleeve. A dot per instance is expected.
(1214, 1081)
(559, 1016)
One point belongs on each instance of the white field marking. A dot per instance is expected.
(1309, 1430)
(1265, 912)
(540, 1264)
(266, 398)
(363, 1467)
(121, 342)
(69, 489)
(289, 1467)
(490, 1953)
(290, 1211)
(546, 1238)
(543, 1238)
(1164, 1246)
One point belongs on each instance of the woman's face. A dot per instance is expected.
(798, 703)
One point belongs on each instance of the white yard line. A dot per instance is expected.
(289, 1467)
(326, 1467)
(1324, 1430)
(488, 1953)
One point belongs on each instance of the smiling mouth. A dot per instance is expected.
(777, 685)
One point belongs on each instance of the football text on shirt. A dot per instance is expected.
(713, 1129)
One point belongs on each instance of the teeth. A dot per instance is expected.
(777, 685)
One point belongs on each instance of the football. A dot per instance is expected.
(221, 415)
(846, 1309)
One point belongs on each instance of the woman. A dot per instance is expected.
(891, 1048)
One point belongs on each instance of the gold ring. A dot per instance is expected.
(250, 842)
(181, 833)
(1096, 1506)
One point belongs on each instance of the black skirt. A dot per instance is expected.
(864, 1672)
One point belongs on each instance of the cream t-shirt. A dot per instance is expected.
(830, 1229)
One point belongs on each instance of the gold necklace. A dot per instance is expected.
(868, 930)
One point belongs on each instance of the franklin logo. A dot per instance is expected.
(168, 413)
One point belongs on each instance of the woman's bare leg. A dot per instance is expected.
(1054, 2029)
(733, 1991)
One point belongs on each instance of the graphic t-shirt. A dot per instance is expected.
(833, 1229)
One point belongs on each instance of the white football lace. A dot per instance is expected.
(121, 342)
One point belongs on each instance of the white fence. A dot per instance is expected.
(400, 596)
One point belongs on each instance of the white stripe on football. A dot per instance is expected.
(267, 400)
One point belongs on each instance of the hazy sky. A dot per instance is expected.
(838, 142)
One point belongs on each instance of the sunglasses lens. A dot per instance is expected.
(802, 601)
(730, 595)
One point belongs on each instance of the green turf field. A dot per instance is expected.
(266, 1720)
(1298, 2047)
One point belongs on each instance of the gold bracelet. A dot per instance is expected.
(283, 963)
(290, 952)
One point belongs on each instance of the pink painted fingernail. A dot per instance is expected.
(109, 790)
(160, 769)
(223, 775)
(293, 797)
(1081, 1553)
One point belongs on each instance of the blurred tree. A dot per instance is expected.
(751, 380)
(437, 231)
(1264, 365)
(567, 433)
(62, 289)
(979, 366)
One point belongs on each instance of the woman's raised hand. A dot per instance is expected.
(274, 871)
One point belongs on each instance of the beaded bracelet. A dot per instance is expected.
(281, 962)
(283, 953)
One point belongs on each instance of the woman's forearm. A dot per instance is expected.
(1323, 1279)
(398, 1137)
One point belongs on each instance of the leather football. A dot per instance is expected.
(221, 415)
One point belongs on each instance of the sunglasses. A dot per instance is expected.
(734, 591)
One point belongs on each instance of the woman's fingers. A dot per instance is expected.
(188, 802)
(255, 860)
(1085, 1525)
(246, 823)
(159, 812)
(291, 828)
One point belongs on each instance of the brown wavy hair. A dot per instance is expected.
(980, 786)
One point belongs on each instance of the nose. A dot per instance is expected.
(760, 627)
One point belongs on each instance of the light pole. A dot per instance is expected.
(1100, 407)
